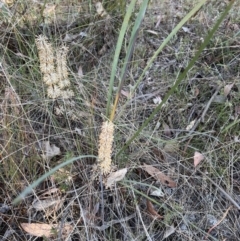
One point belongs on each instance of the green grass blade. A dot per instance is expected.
(230, 126)
(133, 37)
(181, 76)
(43, 177)
(129, 52)
(117, 52)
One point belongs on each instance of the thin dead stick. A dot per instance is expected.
(224, 216)
(186, 146)
(144, 227)
(140, 217)
(209, 103)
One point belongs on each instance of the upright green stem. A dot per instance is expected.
(117, 53)
(129, 53)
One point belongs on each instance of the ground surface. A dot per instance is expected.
(200, 118)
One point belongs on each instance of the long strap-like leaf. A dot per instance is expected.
(43, 177)
(129, 53)
(117, 52)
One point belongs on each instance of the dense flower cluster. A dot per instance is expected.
(56, 79)
(105, 147)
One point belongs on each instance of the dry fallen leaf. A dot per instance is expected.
(125, 93)
(170, 230)
(152, 211)
(70, 37)
(157, 100)
(50, 199)
(186, 30)
(47, 203)
(152, 32)
(159, 176)
(100, 9)
(198, 157)
(80, 71)
(159, 18)
(227, 89)
(49, 151)
(38, 229)
(115, 177)
(191, 124)
(196, 92)
(157, 192)
(47, 230)
(51, 192)
(167, 130)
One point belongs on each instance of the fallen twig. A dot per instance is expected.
(224, 216)
(209, 103)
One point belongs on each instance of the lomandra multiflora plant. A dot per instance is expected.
(107, 131)
(106, 136)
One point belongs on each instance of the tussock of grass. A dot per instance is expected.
(29, 118)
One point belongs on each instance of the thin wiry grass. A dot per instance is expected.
(196, 200)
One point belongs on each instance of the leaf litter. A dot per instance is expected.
(152, 211)
(115, 177)
(198, 157)
(159, 176)
(170, 230)
(50, 199)
(49, 151)
(227, 89)
(46, 230)
(157, 192)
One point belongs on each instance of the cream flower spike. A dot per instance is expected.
(56, 79)
(105, 147)
(46, 55)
